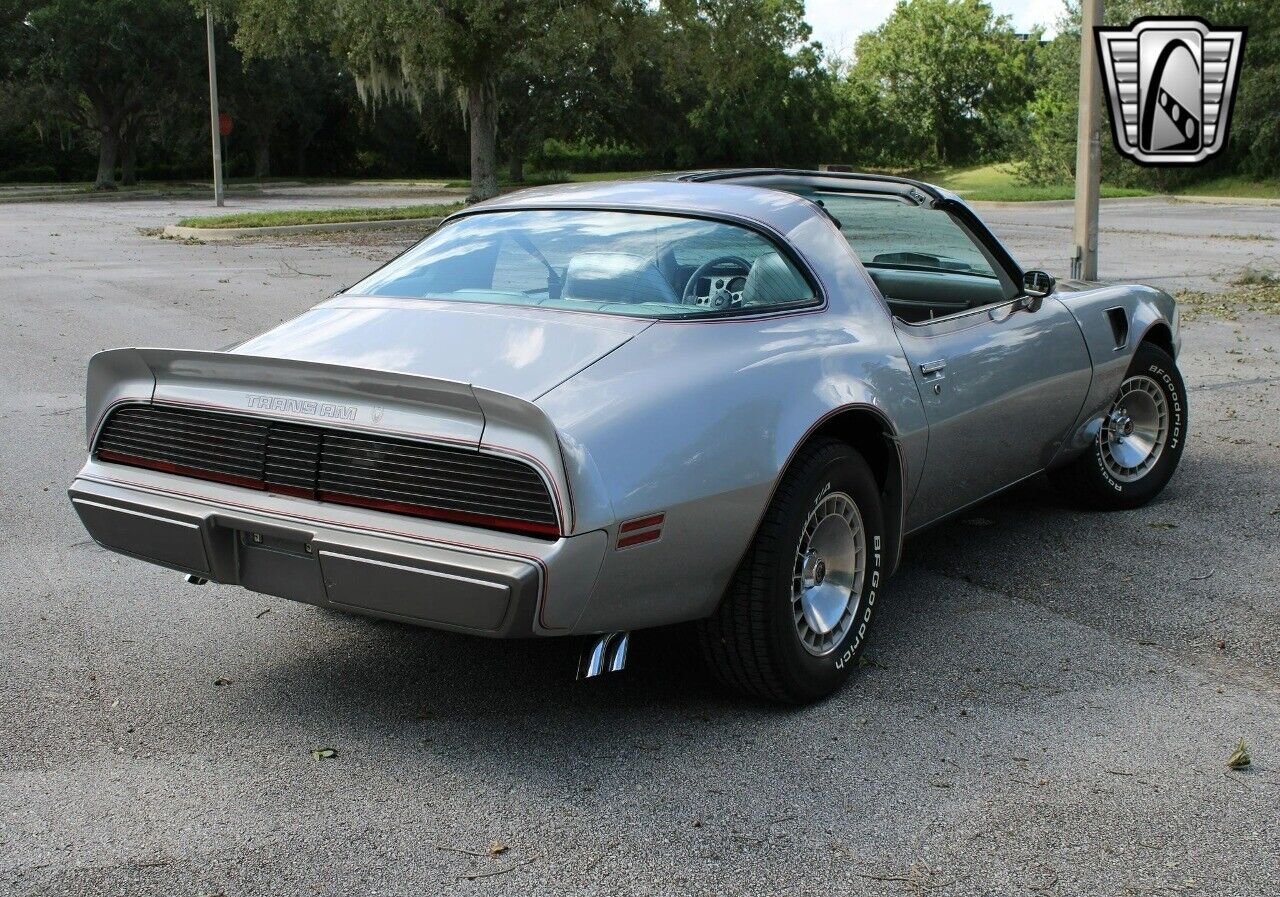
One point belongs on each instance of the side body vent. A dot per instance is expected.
(1119, 320)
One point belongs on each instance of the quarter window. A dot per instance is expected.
(926, 265)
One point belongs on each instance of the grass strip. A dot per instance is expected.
(288, 217)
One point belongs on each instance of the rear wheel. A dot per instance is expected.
(1137, 449)
(799, 610)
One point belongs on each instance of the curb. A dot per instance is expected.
(1057, 203)
(1167, 197)
(213, 234)
(1229, 200)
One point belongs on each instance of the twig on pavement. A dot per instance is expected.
(502, 871)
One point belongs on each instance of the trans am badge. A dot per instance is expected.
(1170, 82)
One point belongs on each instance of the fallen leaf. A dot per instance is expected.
(1240, 758)
(497, 848)
(1163, 525)
(323, 753)
(221, 681)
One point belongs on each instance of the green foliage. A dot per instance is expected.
(387, 88)
(695, 81)
(405, 48)
(752, 82)
(29, 173)
(285, 98)
(945, 78)
(107, 66)
(1254, 145)
(1046, 155)
(585, 156)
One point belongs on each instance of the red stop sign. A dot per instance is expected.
(224, 124)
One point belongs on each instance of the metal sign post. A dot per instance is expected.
(213, 109)
(1084, 264)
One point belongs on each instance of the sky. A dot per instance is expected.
(837, 23)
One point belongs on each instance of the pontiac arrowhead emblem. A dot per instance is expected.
(1170, 85)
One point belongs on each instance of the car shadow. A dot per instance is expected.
(512, 708)
(400, 668)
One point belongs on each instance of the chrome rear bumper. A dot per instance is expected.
(496, 585)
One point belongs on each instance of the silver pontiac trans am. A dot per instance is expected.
(722, 397)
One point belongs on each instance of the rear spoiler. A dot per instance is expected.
(321, 394)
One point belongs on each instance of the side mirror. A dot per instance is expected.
(1038, 283)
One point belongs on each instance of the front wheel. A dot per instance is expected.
(1141, 439)
(798, 612)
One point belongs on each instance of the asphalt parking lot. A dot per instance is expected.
(1047, 709)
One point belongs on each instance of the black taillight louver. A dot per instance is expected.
(341, 466)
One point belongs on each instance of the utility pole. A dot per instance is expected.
(213, 108)
(1084, 264)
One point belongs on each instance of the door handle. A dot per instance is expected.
(933, 369)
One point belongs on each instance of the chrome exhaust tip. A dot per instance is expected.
(195, 580)
(604, 654)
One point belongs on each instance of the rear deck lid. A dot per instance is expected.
(523, 352)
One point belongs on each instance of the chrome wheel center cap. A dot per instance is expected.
(1121, 425)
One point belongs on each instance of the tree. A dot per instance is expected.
(946, 72)
(572, 82)
(1254, 139)
(407, 48)
(286, 97)
(104, 62)
(1047, 152)
(753, 82)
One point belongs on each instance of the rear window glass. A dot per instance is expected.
(889, 233)
(614, 262)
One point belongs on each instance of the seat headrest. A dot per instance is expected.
(771, 282)
(616, 277)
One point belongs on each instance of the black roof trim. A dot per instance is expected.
(905, 186)
(728, 174)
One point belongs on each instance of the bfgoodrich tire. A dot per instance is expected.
(1141, 440)
(799, 610)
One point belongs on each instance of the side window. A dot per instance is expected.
(926, 265)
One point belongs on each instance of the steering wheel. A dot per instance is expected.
(726, 275)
